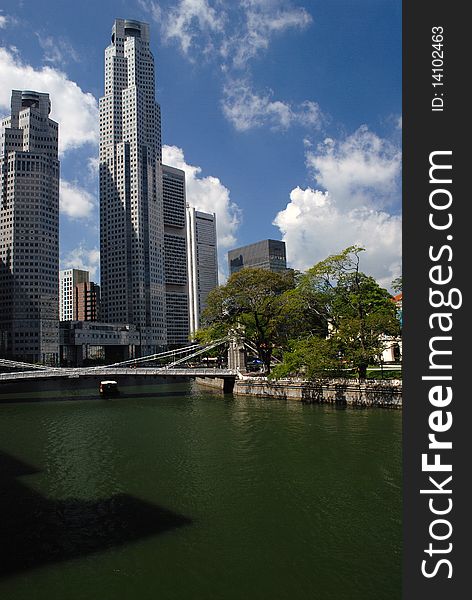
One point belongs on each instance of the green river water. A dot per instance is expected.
(175, 492)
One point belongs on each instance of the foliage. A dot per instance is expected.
(355, 310)
(330, 318)
(397, 284)
(251, 302)
(310, 358)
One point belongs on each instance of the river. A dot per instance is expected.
(175, 492)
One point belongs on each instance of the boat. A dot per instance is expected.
(109, 388)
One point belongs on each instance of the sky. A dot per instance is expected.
(284, 114)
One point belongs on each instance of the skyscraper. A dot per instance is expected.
(79, 298)
(68, 279)
(87, 301)
(202, 261)
(175, 245)
(267, 254)
(29, 230)
(131, 212)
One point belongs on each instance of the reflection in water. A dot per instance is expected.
(282, 500)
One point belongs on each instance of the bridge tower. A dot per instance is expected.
(236, 354)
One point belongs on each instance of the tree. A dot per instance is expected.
(252, 301)
(356, 311)
(313, 358)
(397, 284)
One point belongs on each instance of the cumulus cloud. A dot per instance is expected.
(75, 110)
(82, 257)
(360, 170)
(208, 194)
(3, 21)
(75, 201)
(360, 177)
(246, 110)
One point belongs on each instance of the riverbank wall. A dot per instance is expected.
(217, 383)
(342, 392)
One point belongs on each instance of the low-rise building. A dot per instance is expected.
(81, 341)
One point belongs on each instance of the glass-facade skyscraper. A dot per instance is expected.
(175, 244)
(29, 230)
(202, 261)
(131, 205)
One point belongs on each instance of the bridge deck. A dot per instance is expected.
(109, 372)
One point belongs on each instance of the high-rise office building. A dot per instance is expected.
(68, 280)
(202, 261)
(86, 301)
(79, 298)
(29, 230)
(131, 212)
(267, 254)
(175, 246)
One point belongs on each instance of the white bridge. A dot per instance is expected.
(150, 366)
(107, 372)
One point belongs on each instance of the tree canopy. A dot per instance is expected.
(330, 317)
(252, 301)
(358, 313)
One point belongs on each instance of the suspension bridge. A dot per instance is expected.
(182, 362)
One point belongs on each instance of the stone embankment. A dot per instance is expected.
(343, 392)
(217, 383)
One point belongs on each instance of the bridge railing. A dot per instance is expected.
(120, 371)
(185, 354)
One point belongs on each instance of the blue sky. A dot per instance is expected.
(285, 115)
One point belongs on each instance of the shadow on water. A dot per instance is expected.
(35, 530)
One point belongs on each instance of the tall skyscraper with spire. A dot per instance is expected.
(131, 204)
(29, 230)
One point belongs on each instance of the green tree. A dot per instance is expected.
(397, 284)
(313, 358)
(355, 311)
(254, 302)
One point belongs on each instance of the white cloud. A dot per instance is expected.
(74, 201)
(236, 32)
(360, 170)
(262, 19)
(76, 111)
(208, 194)
(360, 177)
(313, 227)
(7, 20)
(187, 22)
(93, 166)
(246, 110)
(232, 34)
(84, 258)
(57, 51)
